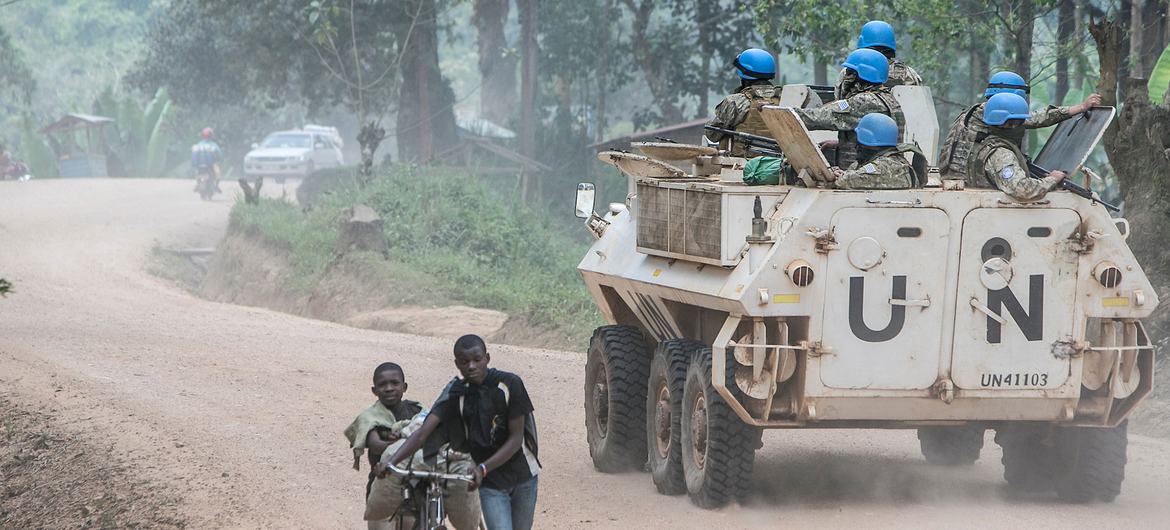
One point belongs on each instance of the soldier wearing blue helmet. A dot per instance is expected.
(869, 95)
(741, 110)
(881, 161)
(878, 35)
(996, 160)
(969, 127)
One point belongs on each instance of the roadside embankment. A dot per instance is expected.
(456, 258)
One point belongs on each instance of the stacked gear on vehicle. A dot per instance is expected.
(732, 309)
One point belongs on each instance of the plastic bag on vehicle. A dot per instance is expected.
(762, 170)
(463, 510)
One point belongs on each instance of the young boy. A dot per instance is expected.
(488, 414)
(380, 425)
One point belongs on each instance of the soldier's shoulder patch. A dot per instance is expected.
(1008, 173)
(842, 106)
(870, 168)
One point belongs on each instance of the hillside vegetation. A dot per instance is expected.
(461, 240)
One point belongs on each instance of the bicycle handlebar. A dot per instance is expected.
(428, 475)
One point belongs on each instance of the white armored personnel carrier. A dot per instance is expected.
(736, 308)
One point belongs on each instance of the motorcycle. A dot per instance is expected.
(207, 182)
(16, 171)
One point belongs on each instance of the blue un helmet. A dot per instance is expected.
(1007, 82)
(877, 33)
(1003, 107)
(754, 63)
(870, 65)
(877, 130)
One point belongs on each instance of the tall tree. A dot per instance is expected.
(497, 63)
(1067, 38)
(426, 116)
(529, 58)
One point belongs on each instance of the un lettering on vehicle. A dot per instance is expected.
(1036, 307)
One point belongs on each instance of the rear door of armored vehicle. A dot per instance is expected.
(883, 313)
(1016, 299)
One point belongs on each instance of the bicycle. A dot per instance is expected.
(432, 514)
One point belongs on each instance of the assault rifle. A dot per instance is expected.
(1069, 185)
(754, 143)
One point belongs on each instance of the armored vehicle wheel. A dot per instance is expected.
(1029, 459)
(951, 446)
(717, 452)
(616, 373)
(668, 374)
(1091, 463)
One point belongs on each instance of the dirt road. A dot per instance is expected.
(239, 411)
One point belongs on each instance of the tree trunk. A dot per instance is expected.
(1153, 13)
(529, 18)
(1066, 38)
(1136, 33)
(820, 72)
(1080, 19)
(497, 69)
(1026, 11)
(426, 117)
(651, 64)
(703, 20)
(1123, 70)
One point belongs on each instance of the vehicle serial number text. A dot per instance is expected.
(1013, 380)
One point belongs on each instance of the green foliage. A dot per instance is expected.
(5, 287)
(35, 152)
(1160, 78)
(139, 140)
(450, 227)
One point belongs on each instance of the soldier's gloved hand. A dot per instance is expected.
(1058, 175)
(836, 172)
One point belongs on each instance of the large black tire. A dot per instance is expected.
(668, 374)
(951, 446)
(1029, 460)
(616, 374)
(717, 448)
(1092, 463)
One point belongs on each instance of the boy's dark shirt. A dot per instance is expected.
(404, 411)
(482, 428)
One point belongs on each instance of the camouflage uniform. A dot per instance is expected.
(900, 74)
(888, 170)
(999, 163)
(968, 128)
(741, 112)
(844, 114)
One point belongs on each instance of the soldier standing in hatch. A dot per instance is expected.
(878, 35)
(867, 70)
(740, 111)
(881, 161)
(997, 161)
(968, 128)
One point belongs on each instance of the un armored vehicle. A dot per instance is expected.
(736, 308)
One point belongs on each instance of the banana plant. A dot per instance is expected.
(1160, 78)
(139, 137)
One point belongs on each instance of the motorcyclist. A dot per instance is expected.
(205, 158)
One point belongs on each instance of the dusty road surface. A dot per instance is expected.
(239, 411)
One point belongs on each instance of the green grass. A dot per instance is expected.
(455, 235)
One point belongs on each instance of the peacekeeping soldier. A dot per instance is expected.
(997, 161)
(869, 95)
(878, 35)
(741, 110)
(968, 127)
(881, 162)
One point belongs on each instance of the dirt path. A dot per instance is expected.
(238, 411)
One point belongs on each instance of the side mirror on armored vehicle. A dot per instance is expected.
(585, 198)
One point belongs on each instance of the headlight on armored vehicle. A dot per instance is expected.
(800, 273)
(1108, 274)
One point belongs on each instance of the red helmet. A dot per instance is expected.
(207, 133)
